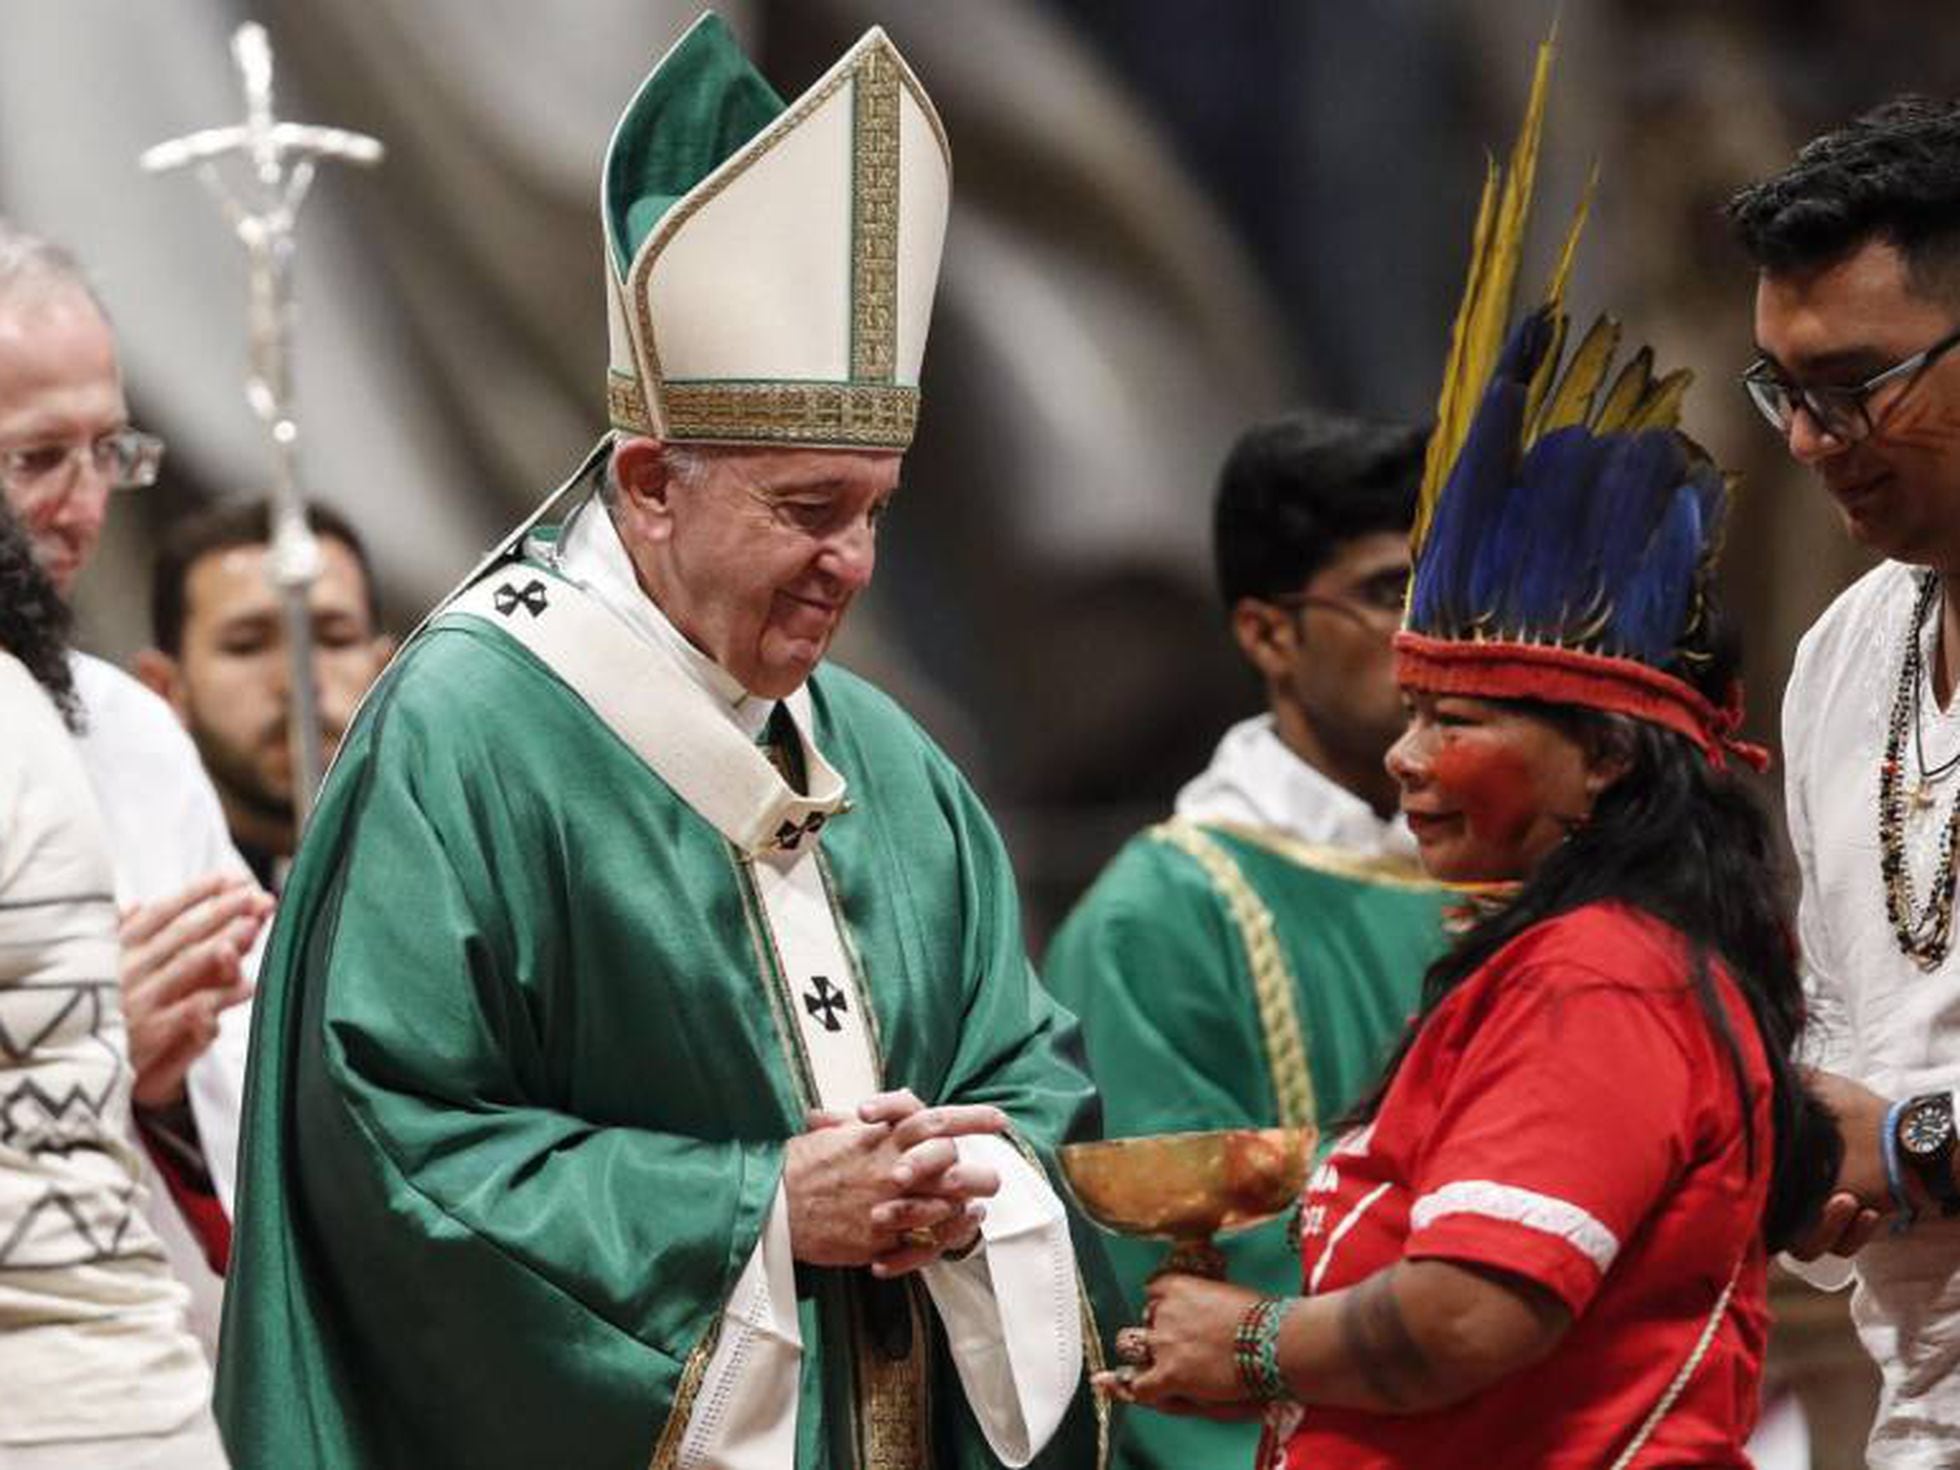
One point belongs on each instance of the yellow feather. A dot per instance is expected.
(1555, 295)
(1541, 377)
(1629, 388)
(1443, 444)
(1661, 408)
(1571, 403)
(1491, 316)
(1477, 337)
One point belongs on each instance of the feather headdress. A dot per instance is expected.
(1566, 530)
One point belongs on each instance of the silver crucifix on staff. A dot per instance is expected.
(261, 203)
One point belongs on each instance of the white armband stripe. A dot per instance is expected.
(1516, 1206)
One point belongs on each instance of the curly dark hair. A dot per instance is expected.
(1892, 174)
(34, 621)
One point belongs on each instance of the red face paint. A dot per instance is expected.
(1491, 784)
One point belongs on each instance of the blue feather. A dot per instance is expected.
(1553, 564)
(1443, 598)
(1639, 474)
(1649, 614)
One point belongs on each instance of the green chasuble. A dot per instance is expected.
(522, 1077)
(1232, 977)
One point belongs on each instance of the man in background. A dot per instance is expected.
(1251, 961)
(190, 911)
(221, 661)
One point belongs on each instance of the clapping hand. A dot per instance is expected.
(182, 967)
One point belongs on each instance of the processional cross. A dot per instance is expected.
(261, 204)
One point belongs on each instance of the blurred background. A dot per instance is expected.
(1169, 220)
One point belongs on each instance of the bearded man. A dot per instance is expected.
(221, 662)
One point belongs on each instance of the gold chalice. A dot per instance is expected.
(1188, 1187)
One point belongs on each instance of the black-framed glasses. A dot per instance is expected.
(1376, 601)
(1841, 412)
(127, 458)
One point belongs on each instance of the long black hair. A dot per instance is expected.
(1690, 845)
(34, 621)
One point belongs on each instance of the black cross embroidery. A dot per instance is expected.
(530, 596)
(826, 1002)
(790, 834)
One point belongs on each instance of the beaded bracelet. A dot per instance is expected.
(1255, 1348)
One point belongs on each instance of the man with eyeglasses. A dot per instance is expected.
(190, 911)
(1250, 961)
(1857, 312)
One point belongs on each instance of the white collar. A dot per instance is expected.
(590, 553)
(1255, 780)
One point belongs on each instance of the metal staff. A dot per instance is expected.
(261, 214)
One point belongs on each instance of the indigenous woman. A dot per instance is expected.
(1543, 1243)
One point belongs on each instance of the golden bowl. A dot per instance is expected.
(1188, 1186)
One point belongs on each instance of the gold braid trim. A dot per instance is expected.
(894, 1395)
(624, 406)
(1385, 871)
(874, 219)
(666, 1452)
(1272, 978)
(874, 415)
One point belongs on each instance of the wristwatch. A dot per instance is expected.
(1927, 1142)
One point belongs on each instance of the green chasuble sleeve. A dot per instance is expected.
(1157, 960)
(521, 1084)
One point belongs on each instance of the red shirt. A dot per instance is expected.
(1570, 1116)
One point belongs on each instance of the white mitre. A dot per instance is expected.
(770, 269)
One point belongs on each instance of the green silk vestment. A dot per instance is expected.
(1164, 961)
(521, 1081)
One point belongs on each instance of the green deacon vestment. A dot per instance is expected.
(1233, 977)
(522, 1081)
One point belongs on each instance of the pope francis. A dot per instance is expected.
(648, 1070)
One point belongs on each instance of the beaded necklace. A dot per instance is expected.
(1926, 935)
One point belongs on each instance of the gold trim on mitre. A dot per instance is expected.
(874, 220)
(873, 408)
(859, 415)
(624, 407)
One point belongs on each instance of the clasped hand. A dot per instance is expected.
(1862, 1197)
(886, 1188)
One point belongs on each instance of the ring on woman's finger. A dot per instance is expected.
(1133, 1346)
(920, 1238)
